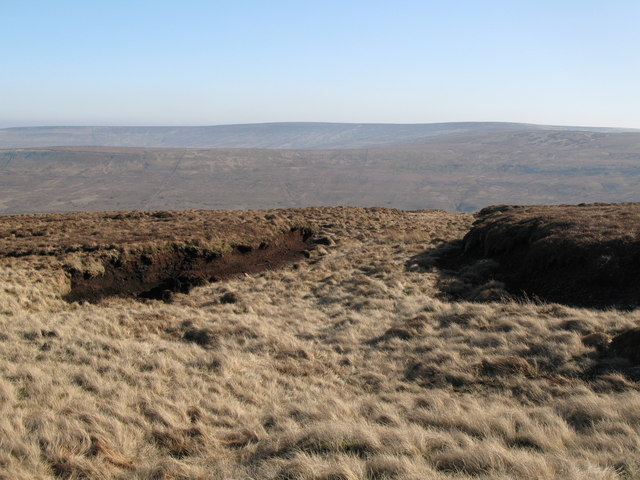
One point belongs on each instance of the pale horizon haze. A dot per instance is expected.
(219, 62)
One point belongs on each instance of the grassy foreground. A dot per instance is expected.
(351, 364)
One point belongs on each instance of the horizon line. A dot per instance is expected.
(311, 123)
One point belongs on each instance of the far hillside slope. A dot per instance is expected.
(461, 172)
(293, 135)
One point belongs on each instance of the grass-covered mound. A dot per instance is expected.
(587, 255)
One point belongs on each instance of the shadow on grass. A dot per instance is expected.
(461, 277)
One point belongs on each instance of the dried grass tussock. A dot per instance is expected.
(348, 364)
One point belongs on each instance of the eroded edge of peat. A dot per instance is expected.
(160, 272)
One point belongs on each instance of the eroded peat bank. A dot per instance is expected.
(160, 272)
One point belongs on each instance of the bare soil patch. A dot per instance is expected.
(158, 273)
(154, 254)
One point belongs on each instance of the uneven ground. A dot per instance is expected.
(353, 363)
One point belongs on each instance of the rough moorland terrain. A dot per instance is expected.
(362, 359)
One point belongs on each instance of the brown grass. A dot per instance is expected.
(82, 233)
(342, 366)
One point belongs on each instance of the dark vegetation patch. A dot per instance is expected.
(180, 442)
(229, 297)
(627, 345)
(580, 255)
(201, 336)
(617, 358)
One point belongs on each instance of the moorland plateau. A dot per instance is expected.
(456, 166)
(321, 343)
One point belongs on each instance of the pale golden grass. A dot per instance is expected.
(30, 285)
(344, 366)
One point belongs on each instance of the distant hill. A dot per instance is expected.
(264, 135)
(457, 172)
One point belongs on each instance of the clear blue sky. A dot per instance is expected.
(99, 62)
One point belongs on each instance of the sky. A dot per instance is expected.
(135, 62)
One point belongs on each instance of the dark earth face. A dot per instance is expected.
(160, 273)
(581, 255)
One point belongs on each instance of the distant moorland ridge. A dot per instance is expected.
(456, 172)
(292, 135)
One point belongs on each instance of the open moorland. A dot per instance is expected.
(318, 343)
(455, 170)
(283, 135)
